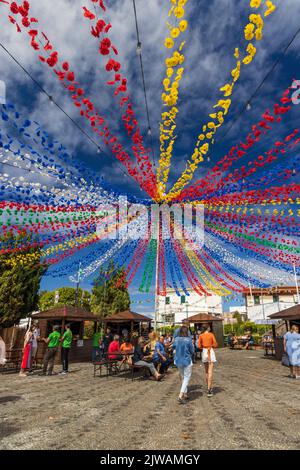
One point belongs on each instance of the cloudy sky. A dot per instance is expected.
(215, 29)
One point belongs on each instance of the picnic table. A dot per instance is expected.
(241, 342)
(112, 365)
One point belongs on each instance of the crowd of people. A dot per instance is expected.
(53, 341)
(246, 340)
(151, 350)
(158, 352)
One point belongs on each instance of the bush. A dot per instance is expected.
(171, 329)
(241, 328)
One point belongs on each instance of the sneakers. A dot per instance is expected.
(209, 392)
(63, 372)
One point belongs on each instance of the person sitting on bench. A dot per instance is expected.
(249, 341)
(232, 340)
(114, 347)
(139, 359)
(126, 347)
(160, 356)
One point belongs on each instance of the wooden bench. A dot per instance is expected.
(111, 366)
(13, 360)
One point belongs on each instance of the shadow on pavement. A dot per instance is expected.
(9, 398)
(217, 390)
(270, 358)
(6, 430)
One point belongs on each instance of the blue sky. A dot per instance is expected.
(215, 29)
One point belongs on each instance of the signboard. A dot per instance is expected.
(2, 92)
(266, 322)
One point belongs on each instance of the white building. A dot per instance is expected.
(261, 303)
(173, 309)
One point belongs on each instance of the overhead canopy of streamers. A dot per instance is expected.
(241, 192)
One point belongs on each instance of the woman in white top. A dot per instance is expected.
(34, 345)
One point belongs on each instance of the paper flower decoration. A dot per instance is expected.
(169, 43)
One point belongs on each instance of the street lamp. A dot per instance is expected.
(187, 309)
(77, 281)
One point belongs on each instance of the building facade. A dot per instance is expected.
(174, 309)
(260, 303)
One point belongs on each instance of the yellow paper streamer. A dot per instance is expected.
(252, 31)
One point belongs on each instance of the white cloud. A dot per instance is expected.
(215, 28)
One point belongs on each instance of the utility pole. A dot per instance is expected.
(187, 308)
(77, 285)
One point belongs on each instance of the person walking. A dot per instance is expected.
(207, 342)
(65, 349)
(27, 349)
(185, 323)
(291, 344)
(53, 342)
(184, 351)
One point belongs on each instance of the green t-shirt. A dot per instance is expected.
(67, 339)
(53, 339)
(96, 338)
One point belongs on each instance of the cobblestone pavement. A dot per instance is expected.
(255, 406)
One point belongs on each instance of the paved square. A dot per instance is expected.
(256, 406)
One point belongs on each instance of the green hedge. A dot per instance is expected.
(241, 328)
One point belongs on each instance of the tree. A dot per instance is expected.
(238, 317)
(66, 296)
(110, 294)
(20, 277)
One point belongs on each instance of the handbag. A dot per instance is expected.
(285, 360)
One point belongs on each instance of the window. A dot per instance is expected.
(256, 300)
(167, 300)
(182, 299)
(275, 298)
